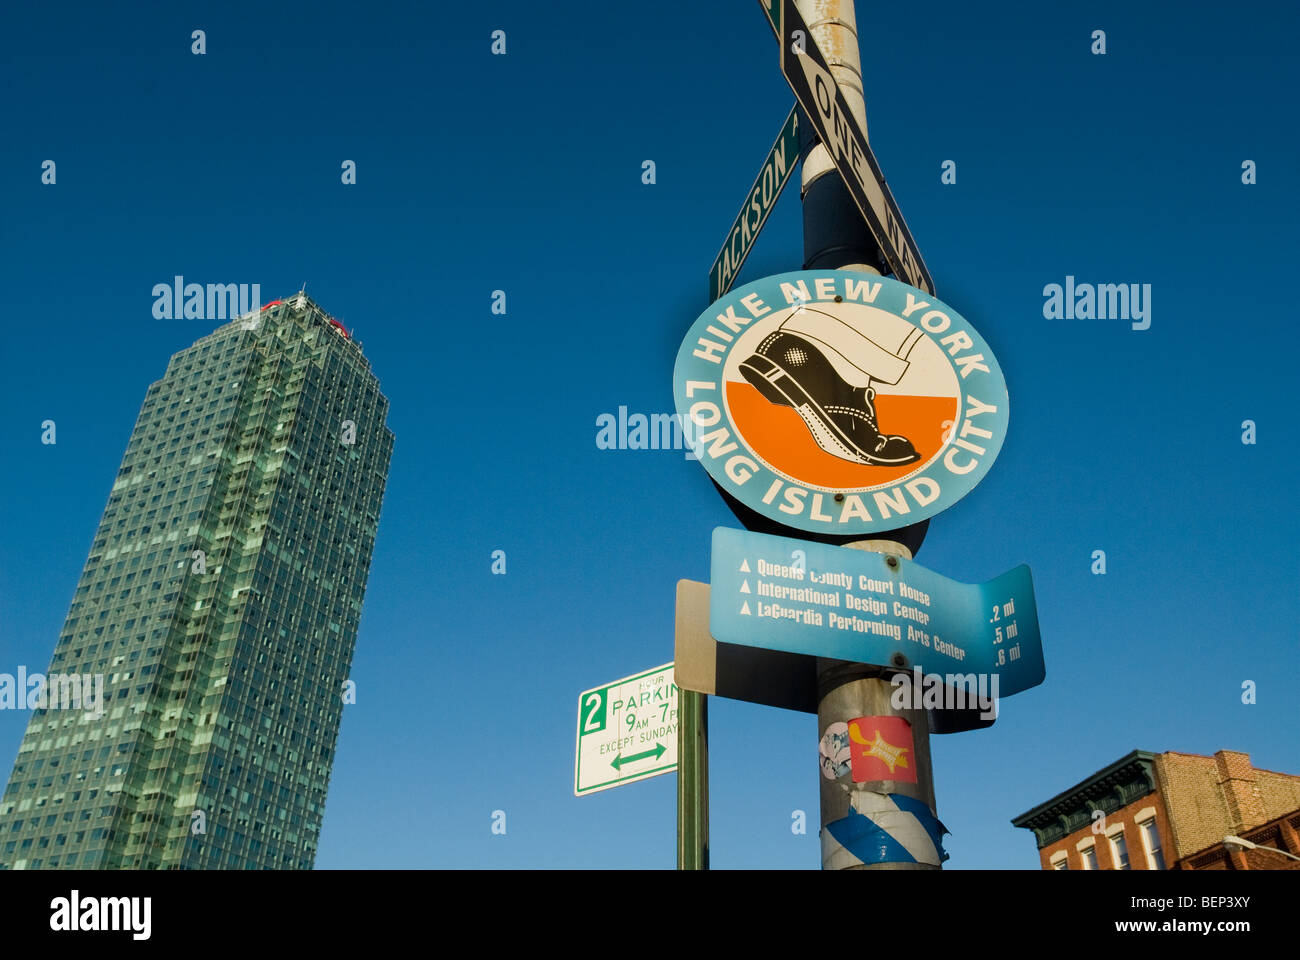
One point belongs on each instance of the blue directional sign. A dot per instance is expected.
(836, 602)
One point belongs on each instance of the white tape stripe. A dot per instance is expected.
(835, 856)
(902, 826)
(910, 834)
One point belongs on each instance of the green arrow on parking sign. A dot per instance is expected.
(620, 761)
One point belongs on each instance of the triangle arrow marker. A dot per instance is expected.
(744, 566)
(744, 586)
(744, 610)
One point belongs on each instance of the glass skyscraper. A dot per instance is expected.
(220, 604)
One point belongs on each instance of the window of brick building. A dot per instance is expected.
(1119, 851)
(1151, 841)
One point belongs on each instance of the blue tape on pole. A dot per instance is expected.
(884, 828)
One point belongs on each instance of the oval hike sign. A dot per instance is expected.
(840, 402)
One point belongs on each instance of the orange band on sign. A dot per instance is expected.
(882, 748)
(780, 437)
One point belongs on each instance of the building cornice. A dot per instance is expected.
(1129, 778)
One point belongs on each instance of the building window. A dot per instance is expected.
(1061, 862)
(1089, 857)
(1151, 841)
(1119, 851)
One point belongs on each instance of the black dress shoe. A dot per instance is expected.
(790, 370)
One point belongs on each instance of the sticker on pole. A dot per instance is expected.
(627, 730)
(882, 749)
(840, 402)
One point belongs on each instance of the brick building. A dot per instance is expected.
(1159, 811)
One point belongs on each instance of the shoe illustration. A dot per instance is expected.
(809, 364)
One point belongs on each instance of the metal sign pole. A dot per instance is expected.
(836, 237)
(693, 781)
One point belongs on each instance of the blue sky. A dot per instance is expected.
(523, 173)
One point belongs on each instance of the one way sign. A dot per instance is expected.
(814, 86)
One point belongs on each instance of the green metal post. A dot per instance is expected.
(693, 782)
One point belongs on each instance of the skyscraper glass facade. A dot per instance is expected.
(220, 604)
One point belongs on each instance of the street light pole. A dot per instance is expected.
(1231, 841)
(837, 237)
